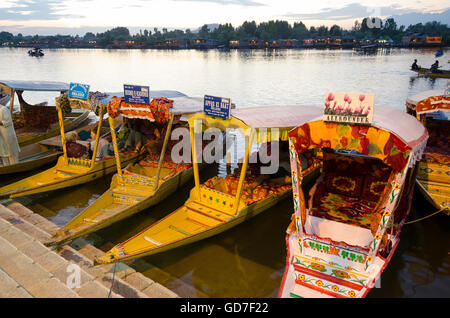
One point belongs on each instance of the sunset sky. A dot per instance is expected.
(79, 16)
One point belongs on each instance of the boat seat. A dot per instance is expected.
(349, 189)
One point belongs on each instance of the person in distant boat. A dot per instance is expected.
(75, 149)
(414, 65)
(434, 67)
(9, 147)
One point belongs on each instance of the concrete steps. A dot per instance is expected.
(29, 269)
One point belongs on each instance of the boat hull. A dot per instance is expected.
(433, 181)
(427, 72)
(91, 219)
(310, 276)
(181, 215)
(60, 177)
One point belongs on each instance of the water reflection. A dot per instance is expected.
(248, 260)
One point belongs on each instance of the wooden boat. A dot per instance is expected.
(218, 204)
(433, 179)
(37, 122)
(68, 171)
(339, 242)
(427, 72)
(139, 186)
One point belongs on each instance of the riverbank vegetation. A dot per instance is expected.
(222, 34)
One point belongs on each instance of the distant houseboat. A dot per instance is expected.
(289, 43)
(349, 42)
(308, 43)
(204, 44)
(420, 40)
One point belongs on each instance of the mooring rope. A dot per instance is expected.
(112, 283)
(426, 217)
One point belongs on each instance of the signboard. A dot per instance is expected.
(77, 90)
(350, 108)
(447, 90)
(217, 106)
(136, 94)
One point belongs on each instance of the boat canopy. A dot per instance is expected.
(44, 86)
(159, 108)
(393, 137)
(428, 102)
(264, 119)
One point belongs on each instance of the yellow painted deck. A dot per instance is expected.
(74, 172)
(434, 183)
(125, 197)
(199, 218)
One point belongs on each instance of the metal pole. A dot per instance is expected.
(116, 149)
(194, 160)
(243, 171)
(63, 137)
(163, 151)
(97, 137)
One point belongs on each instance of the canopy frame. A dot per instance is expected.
(391, 194)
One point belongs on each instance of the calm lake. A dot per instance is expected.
(248, 260)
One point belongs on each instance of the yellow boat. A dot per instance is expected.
(427, 72)
(213, 207)
(433, 179)
(139, 186)
(69, 171)
(38, 122)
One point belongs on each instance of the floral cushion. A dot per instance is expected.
(152, 160)
(263, 190)
(343, 208)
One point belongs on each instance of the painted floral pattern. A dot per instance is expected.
(368, 140)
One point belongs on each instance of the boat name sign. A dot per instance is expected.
(217, 106)
(349, 108)
(77, 90)
(136, 94)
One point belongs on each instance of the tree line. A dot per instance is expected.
(266, 31)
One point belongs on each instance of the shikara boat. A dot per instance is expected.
(140, 185)
(218, 204)
(38, 122)
(427, 72)
(74, 171)
(343, 237)
(433, 179)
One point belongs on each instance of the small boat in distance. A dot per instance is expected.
(428, 73)
(344, 234)
(36, 52)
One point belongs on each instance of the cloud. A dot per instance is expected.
(34, 10)
(351, 11)
(245, 3)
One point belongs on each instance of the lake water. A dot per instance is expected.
(248, 260)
